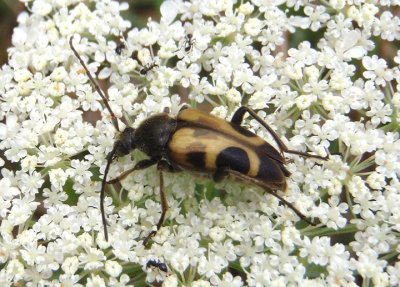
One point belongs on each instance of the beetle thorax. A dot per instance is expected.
(153, 134)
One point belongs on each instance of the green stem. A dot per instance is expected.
(363, 165)
(326, 231)
(365, 282)
(349, 202)
(392, 254)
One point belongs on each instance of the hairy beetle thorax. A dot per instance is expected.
(153, 134)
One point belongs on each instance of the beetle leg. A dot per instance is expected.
(238, 118)
(166, 166)
(269, 189)
(220, 174)
(184, 107)
(140, 165)
(164, 203)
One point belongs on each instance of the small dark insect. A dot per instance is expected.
(119, 48)
(143, 71)
(200, 142)
(189, 42)
(154, 263)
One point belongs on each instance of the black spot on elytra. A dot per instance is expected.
(196, 159)
(271, 170)
(242, 130)
(234, 158)
(267, 149)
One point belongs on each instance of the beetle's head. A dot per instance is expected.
(124, 144)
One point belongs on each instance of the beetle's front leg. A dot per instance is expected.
(143, 164)
(162, 165)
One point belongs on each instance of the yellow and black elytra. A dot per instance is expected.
(205, 143)
(196, 141)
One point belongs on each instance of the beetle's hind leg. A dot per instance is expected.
(238, 118)
(221, 173)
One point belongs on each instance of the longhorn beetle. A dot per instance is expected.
(196, 141)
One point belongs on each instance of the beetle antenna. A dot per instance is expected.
(109, 158)
(96, 86)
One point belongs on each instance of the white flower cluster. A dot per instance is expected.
(331, 95)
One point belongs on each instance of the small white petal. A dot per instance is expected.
(356, 52)
(168, 12)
